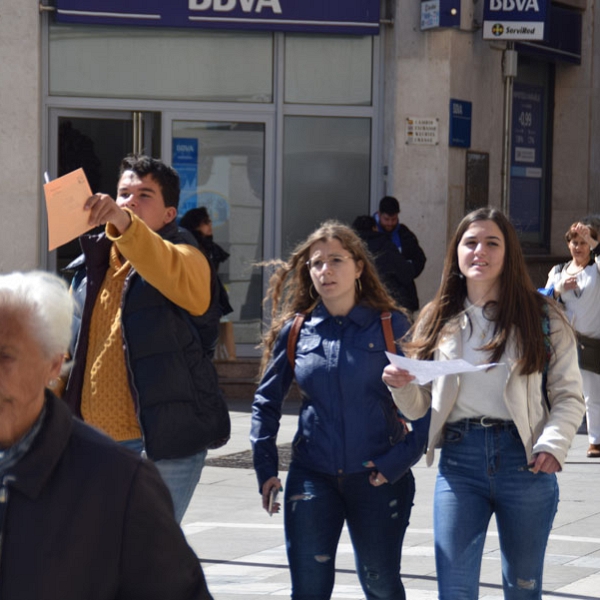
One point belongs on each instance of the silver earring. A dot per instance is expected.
(312, 292)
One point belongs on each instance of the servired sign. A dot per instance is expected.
(514, 19)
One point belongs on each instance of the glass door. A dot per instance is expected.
(97, 141)
(222, 167)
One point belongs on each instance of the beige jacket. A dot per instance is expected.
(540, 430)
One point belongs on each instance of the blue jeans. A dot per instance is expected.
(482, 470)
(316, 506)
(181, 475)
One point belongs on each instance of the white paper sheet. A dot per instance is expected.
(425, 371)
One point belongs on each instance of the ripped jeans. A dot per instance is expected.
(315, 508)
(482, 470)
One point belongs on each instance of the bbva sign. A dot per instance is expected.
(229, 5)
(514, 5)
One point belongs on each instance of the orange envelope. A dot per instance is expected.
(65, 198)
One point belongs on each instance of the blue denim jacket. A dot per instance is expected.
(342, 421)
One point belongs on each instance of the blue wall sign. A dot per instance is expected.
(460, 123)
(359, 17)
(439, 13)
(526, 170)
(514, 19)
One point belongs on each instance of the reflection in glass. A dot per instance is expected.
(326, 173)
(221, 166)
(161, 63)
(328, 69)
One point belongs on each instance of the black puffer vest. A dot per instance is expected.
(172, 380)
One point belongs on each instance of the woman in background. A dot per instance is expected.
(576, 284)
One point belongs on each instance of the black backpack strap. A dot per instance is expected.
(548, 351)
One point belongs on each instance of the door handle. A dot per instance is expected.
(138, 132)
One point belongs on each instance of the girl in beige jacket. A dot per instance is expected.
(503, 432)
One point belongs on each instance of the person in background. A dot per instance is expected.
(408, 245)
(395, 271)
(199, 223)
(140, 371)
(576, 284)
(505, 431)
(351, 454)
(80, 516)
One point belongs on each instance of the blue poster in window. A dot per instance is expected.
(185, 162)
(526, 170)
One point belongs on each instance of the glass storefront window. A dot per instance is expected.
(159, 63)
(531, 169)
(328, 69)
(221, 166)
(326, 173)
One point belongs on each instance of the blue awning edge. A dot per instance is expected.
(563, 42)
(357, 17)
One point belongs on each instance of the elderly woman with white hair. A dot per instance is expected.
(80, 517)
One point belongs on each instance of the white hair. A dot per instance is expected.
(45, 302)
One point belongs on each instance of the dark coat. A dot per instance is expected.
(395, 270)
(215, 255)
(86, 518)
(172, 378)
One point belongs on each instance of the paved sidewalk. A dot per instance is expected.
(243, 554)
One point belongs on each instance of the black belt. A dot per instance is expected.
(488, 422)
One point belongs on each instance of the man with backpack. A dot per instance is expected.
(387, 219)
(140, 371)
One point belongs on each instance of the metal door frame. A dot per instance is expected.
(271, 208)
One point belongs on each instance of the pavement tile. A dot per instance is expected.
(243, 552)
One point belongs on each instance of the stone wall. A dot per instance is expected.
(20, 135)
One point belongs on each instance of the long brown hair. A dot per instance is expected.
(291, 289)
(520, 308)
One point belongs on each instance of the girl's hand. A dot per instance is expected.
(544, 462)
(375, 478)
(272, 483)
(396, 377)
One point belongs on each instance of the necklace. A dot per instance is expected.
(481, 327)
(571, 272)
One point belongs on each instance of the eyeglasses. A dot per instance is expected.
(334, 261)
